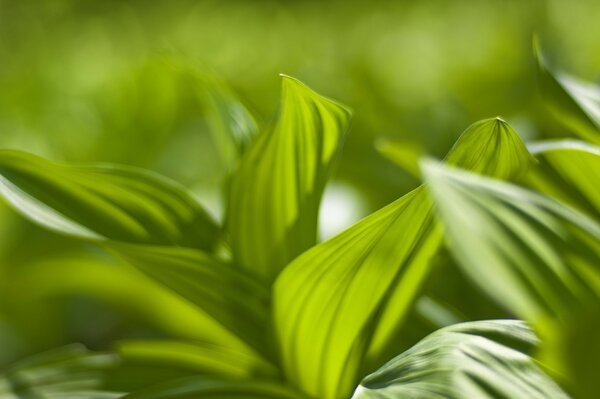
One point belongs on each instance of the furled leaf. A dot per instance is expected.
(345, 299)
(203, 387)
(484, 360)
(237, 300)
(66, 373)
(575, 103)
(275, 193)
(104, 202)
(535, 256)
(568, 171)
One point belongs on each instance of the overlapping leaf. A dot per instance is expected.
(574, 102)
(568, 171)
(66, 373)
(237, 300)
(104, 202)
(344, 298)
(535, 256)
(275, 193)
(484, 360)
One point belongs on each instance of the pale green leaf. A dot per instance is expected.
(483, 360)
(66, 373)
(568, 171)
(104, 202)
(535, 256)
(234, 298)
(341, 302)
(275, 193)
(575, 103)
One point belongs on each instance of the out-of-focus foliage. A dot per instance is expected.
(188, 212)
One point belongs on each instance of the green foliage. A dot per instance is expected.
(289, 317)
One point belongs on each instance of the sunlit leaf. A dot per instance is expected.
(104, 202)
(276, 190)
(535, 256)
(575, 103)
(346, 298)
(484, 360)
(568, 171)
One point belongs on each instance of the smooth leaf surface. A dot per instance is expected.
(575, 103)
(104, 202)
(483, 360)
(275, 193)
(65, 373)
(535, 256)
(235, 299)
(344, 299)
(202, 387)
(569, 171)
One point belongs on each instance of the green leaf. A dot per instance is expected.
(575, 103)
(275, 193)
(405, 154)
(483, 359)
(342, 301)
(66, 373)
(195, 356)
(202, 387)
(535, 256)
(235, 299)
(568, 171)
(104, 202)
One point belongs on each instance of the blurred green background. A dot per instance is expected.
(122, 81)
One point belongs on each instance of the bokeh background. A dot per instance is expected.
(123, 81)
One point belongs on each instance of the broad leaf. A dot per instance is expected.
(568, 171)
(202, 387)
(346, 298)
(104, 202)
(483, 360)
(237, 300)
(66, 373)
(276, 190)
(575, 103)
(535, 256)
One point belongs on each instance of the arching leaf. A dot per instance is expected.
(344, 299)
(104, 202)
(538, 258)
(275, 193)
(483, 359)
(569, 171)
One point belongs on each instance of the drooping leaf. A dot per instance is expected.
(345, 299)
(484, 360)
(195, 356)
(538, 258)
(575, 103)
(203, 387)
(568, 171)
(66, 373)
(275, 193)
(104, 202)
(234, 298)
